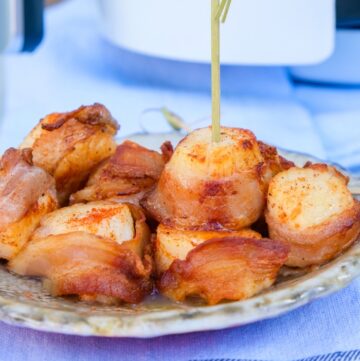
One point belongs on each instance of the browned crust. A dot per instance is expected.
(69, 145)
(133, 169)
(209, 206)
(231, 268)
(322, 167)
(167, 150)
(185, 241)
(124, 278)
(21, 185)
(317, 244)
(96, 114)
(63, 131)
(90, 266)
(285, 163)
(142, 233)
(131, 160)
(275, 162)
(12, 157)
(15, 235)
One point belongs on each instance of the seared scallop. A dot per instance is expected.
(172, 244)
(227, 268)
(98, 251)
(312, 210)
(69, 145)
(211, 186)
(126, 175)
(27, 193)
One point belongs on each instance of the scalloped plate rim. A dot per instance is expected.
(272, 303)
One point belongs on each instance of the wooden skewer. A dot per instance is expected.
(218, 10)
(215, 70)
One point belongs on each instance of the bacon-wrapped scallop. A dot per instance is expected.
(171, 244)
(127, 175)
(69, 145)
(27, 193)
(208, 185)
(98, 251)
(216, 266)
(312, 210)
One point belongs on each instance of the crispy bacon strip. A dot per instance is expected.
(69, 145)
(171, 244)
(21, 185)
(274, 163)
(133, 169)
(92, 267)
(83, 264)
(231, 268)
(96, 114)
(58, 133)
(131, 160)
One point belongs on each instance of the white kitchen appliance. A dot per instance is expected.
(257, 32)
(21, 25)
(21, 30)
(343, 65)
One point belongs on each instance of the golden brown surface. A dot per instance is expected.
(205, 195)
(275, 163)
(219, 269)
(312, 210)
(127, 175)
(26, 194)
(211, 186)
(69, 145)
(98, 251)
(172, 244)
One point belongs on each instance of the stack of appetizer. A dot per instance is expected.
(114, 223)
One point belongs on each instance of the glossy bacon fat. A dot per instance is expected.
(26, 194)
(312, 210)
(69, 145)
(211, 186)
(231, 268)
(126, 175)
(98, 251)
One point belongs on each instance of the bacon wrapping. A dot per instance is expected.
(275, 163)
(26, 194)
(127, 175)
(219, 269)
(312, 210)
(98, 262)
(211, 186)
(69, 145)
(171, 244)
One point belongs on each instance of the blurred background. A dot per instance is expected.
(290, 69)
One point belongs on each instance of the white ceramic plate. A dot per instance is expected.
(23, 301)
